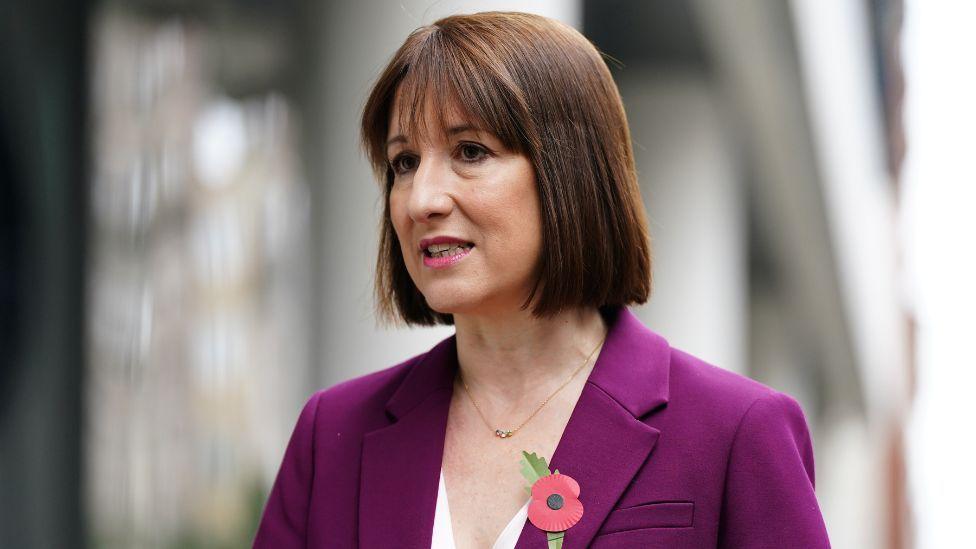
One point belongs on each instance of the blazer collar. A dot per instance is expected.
(603, 446)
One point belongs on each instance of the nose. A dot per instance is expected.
(429, 198)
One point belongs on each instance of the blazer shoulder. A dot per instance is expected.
(360, 401)
(707, 386)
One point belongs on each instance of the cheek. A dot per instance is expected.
(527, 217)
(399, 218)
(516, 220)
(529, 227)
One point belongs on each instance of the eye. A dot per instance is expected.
(471, 152)
(403, 163)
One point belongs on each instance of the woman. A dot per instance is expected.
(512, 211)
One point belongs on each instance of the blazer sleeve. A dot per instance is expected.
(283, 524)
(769, 498)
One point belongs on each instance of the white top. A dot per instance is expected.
(444, 534)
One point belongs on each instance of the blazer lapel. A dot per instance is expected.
(603, 446)
(401, 462)
(605, 442)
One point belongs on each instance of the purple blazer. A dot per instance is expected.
(669, 451)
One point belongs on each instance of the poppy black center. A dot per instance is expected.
(555, 502)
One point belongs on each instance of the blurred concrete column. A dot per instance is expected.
(695, 201)
(799, 75)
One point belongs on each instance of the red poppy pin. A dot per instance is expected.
(555, 505)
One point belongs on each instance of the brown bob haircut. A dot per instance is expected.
(545, 91)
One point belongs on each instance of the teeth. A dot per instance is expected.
(446, 250)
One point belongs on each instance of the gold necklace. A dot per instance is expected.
(502, 433)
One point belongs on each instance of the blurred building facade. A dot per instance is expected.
(198, 340)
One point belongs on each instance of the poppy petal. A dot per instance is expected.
(551, 520)
(557, 483)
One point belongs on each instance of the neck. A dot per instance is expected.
(513, 361)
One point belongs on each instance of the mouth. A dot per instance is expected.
(438, 245)
(445, 254)
(447, 250)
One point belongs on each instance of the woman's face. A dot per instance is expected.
(467, 193)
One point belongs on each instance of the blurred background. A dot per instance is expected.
(189, 233)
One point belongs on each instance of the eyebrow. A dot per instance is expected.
(454, 130)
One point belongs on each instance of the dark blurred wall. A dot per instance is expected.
(43, 205)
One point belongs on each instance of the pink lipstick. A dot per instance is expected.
(452, 251)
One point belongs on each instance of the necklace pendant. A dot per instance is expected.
(502, 434)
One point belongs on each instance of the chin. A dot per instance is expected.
(451, 303)
(449, 307)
